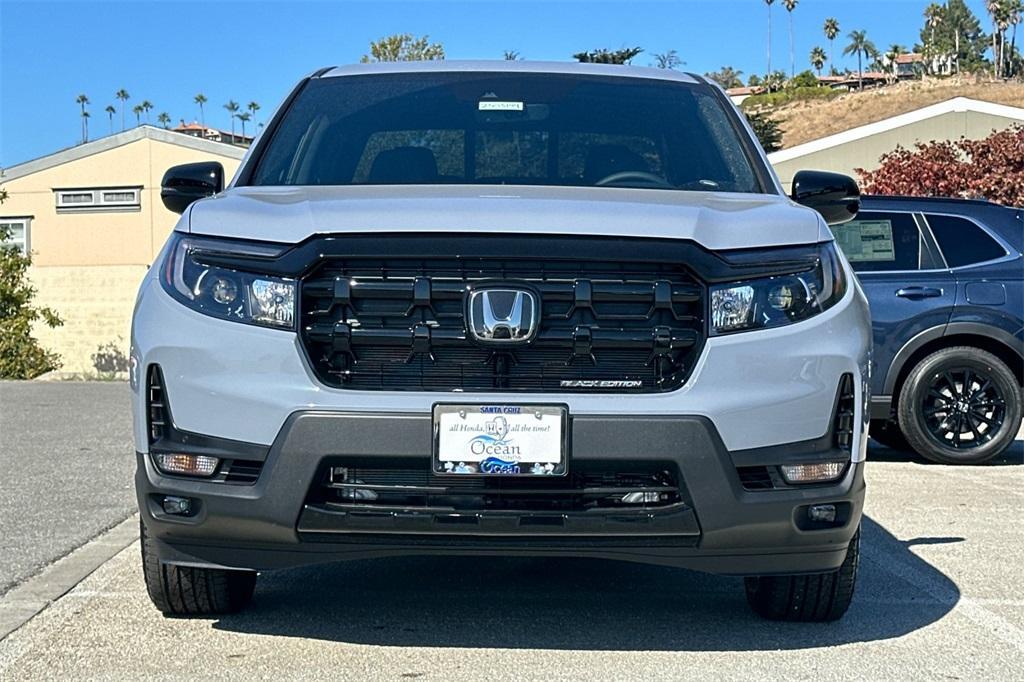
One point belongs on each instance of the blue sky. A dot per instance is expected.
(167, 51)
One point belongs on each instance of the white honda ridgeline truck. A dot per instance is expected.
(502, 309)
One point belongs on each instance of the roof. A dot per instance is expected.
(955, 105)
(910, 58)
(119, 140)
(745, 90)
(510, 66)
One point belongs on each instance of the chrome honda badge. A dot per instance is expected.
(503, 315)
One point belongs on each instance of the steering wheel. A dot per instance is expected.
(643, 176)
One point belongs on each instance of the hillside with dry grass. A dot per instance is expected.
(805, 121)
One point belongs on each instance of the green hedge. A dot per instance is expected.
(780, 97)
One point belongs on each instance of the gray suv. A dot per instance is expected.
(502, 309)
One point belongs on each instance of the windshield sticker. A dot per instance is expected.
(500, 106)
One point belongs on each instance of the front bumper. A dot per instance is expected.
(721, 527)
(760, 398)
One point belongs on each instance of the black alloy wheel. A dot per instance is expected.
(960, 405)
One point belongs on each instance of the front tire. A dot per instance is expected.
(960, 405)
(186, 591)
(812, 598)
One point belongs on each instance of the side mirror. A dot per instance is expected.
(836, 197)
(184, 184)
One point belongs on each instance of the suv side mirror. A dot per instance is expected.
(836, 197)
(184, 184)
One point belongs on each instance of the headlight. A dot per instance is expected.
(223, 292)
(780, 300)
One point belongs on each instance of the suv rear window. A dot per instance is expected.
(500, 128)
(963, 242)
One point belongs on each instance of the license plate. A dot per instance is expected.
(500, 440)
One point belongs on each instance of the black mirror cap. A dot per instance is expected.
(188, 182)
(835, 196)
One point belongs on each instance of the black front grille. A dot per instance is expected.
(399, 324)
(410, 485)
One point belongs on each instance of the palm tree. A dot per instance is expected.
(894, 51)
(831, 31)
(165, 119)
(82, 100)
(137, 110)
(122, 95)
(790, 5)
(667, 60)
(818, 59)
(1000, 13)
(933, 16)
(1016, 10)
(860, 46)
(511, 56)
(253, 107)
(200, 99)
(110, 115)
(146, 106)
(232, 107)
(243, 117)
(769, 3)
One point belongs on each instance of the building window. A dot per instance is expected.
(19, 232)
(99, 199)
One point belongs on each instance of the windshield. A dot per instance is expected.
(507, 129)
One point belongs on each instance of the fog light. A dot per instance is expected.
(640, 498)
(822, 513)
(177, 506)
(188, 465)
(812, 473)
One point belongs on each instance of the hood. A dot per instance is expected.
(718, 221)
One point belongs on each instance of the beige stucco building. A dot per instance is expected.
(863, 147)
(92, 218)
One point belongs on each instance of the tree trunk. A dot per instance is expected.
(995, 55)
(792, 58)
(860, 72)
(957, 56)
(769, 47)
(1013, 48)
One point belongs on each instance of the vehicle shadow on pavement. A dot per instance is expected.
(580, 604)
(1014, 456)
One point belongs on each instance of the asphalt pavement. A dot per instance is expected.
(66, 466)
(939, 594)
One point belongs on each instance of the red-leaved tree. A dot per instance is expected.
(992, 168)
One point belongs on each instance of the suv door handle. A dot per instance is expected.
(917, 293)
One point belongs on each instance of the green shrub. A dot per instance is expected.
(767, 129)
(21, 356)
(770, 100)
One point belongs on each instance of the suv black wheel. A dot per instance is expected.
(887, 432)
(815, 597)
(960, 405)
(184, 591)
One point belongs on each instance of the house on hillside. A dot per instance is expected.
(863, 146)
(737, 95)
(93, 220)
(196, 129)
(908, 66)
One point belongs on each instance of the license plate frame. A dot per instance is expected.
(451, 454)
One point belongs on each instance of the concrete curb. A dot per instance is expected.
(24, 602)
